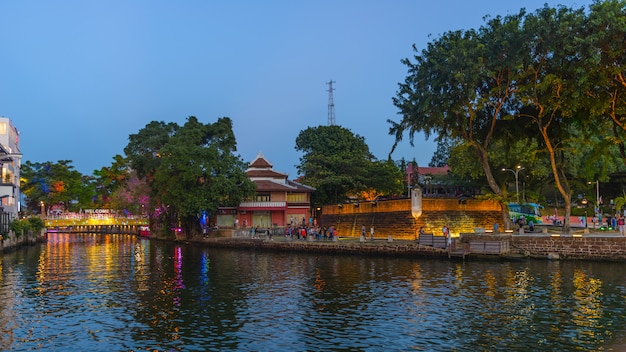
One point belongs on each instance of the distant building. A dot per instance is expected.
(278, 201)
(437, 182)
(10, 159)
(426, 174)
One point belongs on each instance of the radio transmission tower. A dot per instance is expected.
(331, 104)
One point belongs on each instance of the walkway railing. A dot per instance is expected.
(72, 219)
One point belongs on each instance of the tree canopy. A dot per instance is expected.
(189, 169)
(535, 77)
(338, 163)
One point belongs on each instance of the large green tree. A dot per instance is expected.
(460, 87)
(190, 169)
(144, 147)
(539, 78)
(604, 72)
(338, 164)
(549, 87)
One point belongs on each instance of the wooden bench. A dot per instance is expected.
(439, 242)
(425, 239)
(431, 240)
(489, 247)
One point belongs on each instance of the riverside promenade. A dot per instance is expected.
(605, 246)
(343, 245)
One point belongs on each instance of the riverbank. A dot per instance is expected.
(604, 246)
(343, 245)
(11, 242)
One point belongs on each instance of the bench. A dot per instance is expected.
(489, 247)
(425, 239)
(428, 239)
(439, 242)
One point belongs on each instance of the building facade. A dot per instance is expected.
(10, 159)
(278, 201)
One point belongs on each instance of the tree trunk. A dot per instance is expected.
(482, 156)
(557, 179)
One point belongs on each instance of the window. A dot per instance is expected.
(262, 197)
(296, 198)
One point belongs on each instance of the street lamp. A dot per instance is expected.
(597, 195)
(516, 173)
(584, 201)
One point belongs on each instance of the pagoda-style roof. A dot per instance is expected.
(260, 162)
(271, 186)
(261, 172)
(264, 173)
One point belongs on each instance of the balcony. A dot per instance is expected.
(263, 206)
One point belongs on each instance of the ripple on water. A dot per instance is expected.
(109, 293)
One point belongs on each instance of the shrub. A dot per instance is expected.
(33, 224)
(36, 224)
(19, 226)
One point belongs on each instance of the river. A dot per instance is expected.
(97, 292)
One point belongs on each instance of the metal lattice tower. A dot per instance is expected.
(331, 104)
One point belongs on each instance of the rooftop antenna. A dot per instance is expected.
(331, 104)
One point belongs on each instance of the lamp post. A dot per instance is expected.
(597, 210)
(584, 201)
(516, 173)
(597, 194)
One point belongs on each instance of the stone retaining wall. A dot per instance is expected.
(571, 247)
(395, 218)
(594, 247)
(400, 248)
(588, 247)
(11, 241)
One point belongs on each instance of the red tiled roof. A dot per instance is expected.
(267, 179)
(265, 173)
(271, 186)
(261, 163)
(433, 170)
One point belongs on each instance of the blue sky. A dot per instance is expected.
(78, 77)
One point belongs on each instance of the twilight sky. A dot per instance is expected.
(78, 77)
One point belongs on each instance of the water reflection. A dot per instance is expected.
(115, 292)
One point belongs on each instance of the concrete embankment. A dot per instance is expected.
(342, 246)
(602, 246)
(11, 242)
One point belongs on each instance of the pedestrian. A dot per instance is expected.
(372, 232)
(446, 234)
(621, 224)
(614, 222)
(363, 238)
(251, 232)
(420, 232)
(531, 226)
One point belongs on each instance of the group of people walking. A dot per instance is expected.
(319, 233)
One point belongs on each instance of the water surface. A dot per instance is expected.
(122, 293)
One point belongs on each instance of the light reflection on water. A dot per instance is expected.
(123, 293)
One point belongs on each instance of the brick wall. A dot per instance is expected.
(394, 217)
(569, 247)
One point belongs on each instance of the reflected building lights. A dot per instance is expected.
(588, 309)
(416, 282)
